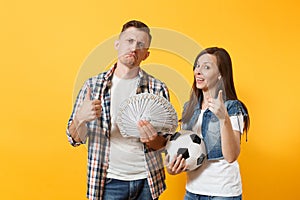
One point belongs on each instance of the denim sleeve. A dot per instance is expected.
(235, 108)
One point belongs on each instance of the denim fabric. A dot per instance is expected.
(192, 196)
(211, 127)
(126, 190)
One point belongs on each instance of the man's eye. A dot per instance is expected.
(141, 45)
(130, 40)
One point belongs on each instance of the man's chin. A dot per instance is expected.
(130, 63)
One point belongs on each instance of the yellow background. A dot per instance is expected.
(44, 43)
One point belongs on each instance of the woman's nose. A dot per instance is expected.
(197, 71)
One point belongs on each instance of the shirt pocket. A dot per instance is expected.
(213, 136)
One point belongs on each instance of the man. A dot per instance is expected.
(120, 167)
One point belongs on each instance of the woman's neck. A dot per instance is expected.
(206, 96)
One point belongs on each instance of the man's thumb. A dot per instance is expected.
(88, 94)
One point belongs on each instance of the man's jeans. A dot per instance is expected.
(127, 190)
(192, 196)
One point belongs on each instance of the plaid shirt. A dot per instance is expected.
(99, 134)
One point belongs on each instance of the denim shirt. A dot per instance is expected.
(210, 128)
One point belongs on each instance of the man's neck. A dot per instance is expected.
(125, 72)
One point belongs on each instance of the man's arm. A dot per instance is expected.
(78, 131)
(89, 110)
(158, 143)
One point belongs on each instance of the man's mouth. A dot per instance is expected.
(132, 55)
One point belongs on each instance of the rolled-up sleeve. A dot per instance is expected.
(78, 103)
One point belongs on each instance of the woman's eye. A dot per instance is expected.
(206, 67)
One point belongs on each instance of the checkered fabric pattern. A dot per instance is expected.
(99, 133)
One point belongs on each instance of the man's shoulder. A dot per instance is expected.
(152, 78)
(97, 77)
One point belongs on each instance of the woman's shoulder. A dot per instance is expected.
(235, 107)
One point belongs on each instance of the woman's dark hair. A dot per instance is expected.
(225, 68)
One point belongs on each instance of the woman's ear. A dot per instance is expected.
(219, 77)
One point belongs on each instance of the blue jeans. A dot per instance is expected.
(192, 196)
(126, 190)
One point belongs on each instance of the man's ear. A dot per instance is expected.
(117, 43)
(146, 55)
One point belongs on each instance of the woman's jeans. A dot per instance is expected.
(126, 190)
(192, 196)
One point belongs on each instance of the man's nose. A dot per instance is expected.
(134, 46)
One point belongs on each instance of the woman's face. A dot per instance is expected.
(206, 72)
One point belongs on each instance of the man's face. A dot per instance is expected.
(132, 47)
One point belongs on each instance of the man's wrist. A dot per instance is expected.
(158, 143)
(78, 122)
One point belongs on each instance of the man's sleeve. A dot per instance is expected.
(78, 103)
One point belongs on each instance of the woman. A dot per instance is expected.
(216, 114)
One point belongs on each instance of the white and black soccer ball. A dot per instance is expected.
(190, 145)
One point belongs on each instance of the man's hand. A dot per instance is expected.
(89, 110)
(149, 136)
(147, 131)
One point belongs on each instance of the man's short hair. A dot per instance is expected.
(137, 24)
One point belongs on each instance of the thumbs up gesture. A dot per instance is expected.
(90, 109)
(217, 106)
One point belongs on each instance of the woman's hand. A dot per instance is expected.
(230, 139)
(217, 106)
(176, 166)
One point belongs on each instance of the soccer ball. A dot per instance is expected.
(190, 145)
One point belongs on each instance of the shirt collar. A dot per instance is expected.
(111, 71)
